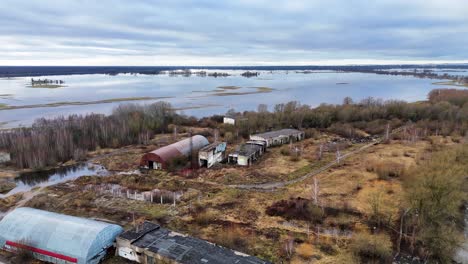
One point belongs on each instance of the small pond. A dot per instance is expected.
(29, 180)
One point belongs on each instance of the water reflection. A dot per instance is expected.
(27, 181)
(312, 89)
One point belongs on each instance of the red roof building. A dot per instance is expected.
(158, 159)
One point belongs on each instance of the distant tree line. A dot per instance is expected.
(45, 81)
(188, 73)
(50, 141)
(420, 74)
(444, 114)
(250, 74)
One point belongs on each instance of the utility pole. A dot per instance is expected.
(191, 154)
(338, 154)
(320, 152)
(315, 191)
(216, 135)
(387, 133)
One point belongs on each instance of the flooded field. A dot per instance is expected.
(29, 180)
(20, 104)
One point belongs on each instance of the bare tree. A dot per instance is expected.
(315, 191)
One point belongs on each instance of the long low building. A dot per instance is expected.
(279, 137)
(160, 158)
(57, 238)
(151, 244)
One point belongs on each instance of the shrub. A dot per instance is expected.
(344, 221)
(233, 238)
(298, 208)
(368, 246)
(204, 218)
(177, 163)
(311, 133)
(229, 137)
(285, 151)
(305, 251)
(327, 248)
(386, 169)
(295, 158)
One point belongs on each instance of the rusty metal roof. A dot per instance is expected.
(181, 148)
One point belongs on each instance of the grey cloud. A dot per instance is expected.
(245, 32)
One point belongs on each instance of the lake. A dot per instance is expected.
(198, 95)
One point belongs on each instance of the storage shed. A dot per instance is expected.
(158, 159)
(57, 238)
(279, 137)
(229, 120)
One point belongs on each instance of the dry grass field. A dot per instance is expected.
(351, 194)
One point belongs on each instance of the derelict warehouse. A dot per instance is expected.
(160, 158)
(57, 238)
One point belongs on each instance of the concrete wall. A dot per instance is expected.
(125, 250)
(212, 156)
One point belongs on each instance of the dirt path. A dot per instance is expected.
(273, 185)
(27, 196)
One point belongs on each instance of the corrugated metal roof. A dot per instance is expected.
(185, 249)
(221, 146)
(62, 235)
(181, 147)
(278, 133)
(247, 149)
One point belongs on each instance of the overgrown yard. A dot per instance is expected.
(356, 200)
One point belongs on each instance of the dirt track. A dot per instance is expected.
(274, 185)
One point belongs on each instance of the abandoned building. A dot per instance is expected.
(159, 159)
(56, 238)
(246, 154)
(229, 120)
(279, 137)
(151, 244)
(258, 143)
(212, 154)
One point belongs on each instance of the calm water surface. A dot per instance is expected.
(27, 181)
(196, 94)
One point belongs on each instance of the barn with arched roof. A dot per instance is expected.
(57, 238)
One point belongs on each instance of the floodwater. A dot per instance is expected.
(198, 95)
(29, 180)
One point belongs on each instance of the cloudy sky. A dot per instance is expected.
(235, 32)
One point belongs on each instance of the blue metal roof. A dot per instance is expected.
(75, 237)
